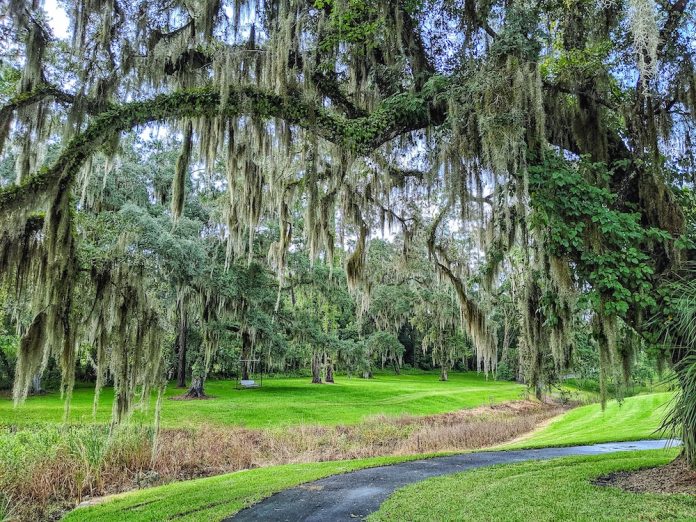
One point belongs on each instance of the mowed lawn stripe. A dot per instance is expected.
(634, 418)
(290, 401)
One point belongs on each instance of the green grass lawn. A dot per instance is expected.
(214, 498)
(558, 489)
(290, 401)
(635, 418)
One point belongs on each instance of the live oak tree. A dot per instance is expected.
(389, 300)
(401, 291)
(553, 133)
(320, 310)
(387, 348)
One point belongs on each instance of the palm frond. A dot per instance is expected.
(681, 335)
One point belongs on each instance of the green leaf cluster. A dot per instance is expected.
(577, 212)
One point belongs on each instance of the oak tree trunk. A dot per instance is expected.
(181, 336)
(329, 371)
(443, 367)
(196, 389)
(316, 369)
(36, 384)
(9, 368)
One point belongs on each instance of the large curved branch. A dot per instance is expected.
(397, 115)
(26, 99)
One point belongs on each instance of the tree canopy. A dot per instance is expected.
(531, 157)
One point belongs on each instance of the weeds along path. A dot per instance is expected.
(354, 495)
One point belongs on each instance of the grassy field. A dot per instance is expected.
(558, 489)
(290, 401)
(635, 418)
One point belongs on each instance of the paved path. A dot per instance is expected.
(354, 495)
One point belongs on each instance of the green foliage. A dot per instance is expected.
(8, 357)
(9, 344)
(686, 196)
(353, 357)
(505, 371)
(682, 417)
(576, 64)
(680, 333)
(577, 214)
(520, 35)
(9, 79)
(387, 346)
(353, 21)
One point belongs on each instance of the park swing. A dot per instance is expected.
(251, 372)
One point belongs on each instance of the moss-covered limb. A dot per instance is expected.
(16, 103)
(41, 93)
(397, 115)
(328, 85)
(24, 100)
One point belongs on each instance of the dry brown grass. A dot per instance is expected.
(75, 469)
(210, 450)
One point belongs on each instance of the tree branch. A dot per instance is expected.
(397, 115)
(42, 92)
(675, 12)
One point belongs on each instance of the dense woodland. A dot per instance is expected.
(207, 188)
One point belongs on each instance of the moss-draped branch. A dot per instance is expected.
(399, 114)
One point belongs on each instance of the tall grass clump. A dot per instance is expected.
(6, 508)
(46, 469)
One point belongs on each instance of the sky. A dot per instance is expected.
(57, 19)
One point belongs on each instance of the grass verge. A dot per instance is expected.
(214, 498)
(634, 418)
(558, 489)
